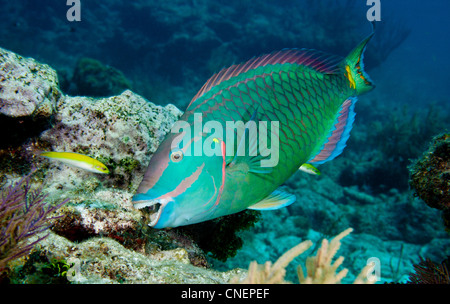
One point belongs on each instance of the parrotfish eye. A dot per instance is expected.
(176, 155)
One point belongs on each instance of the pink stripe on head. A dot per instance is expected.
(158, 164)
(185, 184)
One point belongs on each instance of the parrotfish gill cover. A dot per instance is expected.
(303, 100)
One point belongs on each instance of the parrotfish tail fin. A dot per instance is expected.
(338, 136)
(354, 68)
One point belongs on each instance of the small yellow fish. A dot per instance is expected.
(77, 160)
(310, 169)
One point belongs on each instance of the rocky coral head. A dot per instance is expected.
(29, 92)
(430, 176)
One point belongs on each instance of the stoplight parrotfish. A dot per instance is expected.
(217, 160)
(77, 160)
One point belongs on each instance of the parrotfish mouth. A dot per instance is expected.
(153, 208)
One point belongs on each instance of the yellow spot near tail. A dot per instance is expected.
(350, 77)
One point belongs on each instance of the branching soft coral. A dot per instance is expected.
(320, 269)
(428, 272)
(272, 274)
(23, 214)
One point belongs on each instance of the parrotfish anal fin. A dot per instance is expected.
(317, 60)
(247, 150)
(276, 200)
(337, 139)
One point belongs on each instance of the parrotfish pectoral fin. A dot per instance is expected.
(252, 156)
(354, 66)
(337, 139)
(310, 169)
(276, 200)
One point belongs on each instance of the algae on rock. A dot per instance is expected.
(28, 95)
(95, 79)
(103, 260)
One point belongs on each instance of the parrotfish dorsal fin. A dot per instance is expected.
(320, 61)
(337, 139)
(276, 200)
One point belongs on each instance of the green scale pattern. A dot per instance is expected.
(303, 100)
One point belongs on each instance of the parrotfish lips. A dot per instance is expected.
(153, 208)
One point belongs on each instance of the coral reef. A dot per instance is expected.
(28, 94)
(320, 268)
(39, 268)
(143, 39)
(104, 260)
(272, 274)
(392, 227)
(92, 78)
(23, 214)
(430, 176)
(28, 88)
(106, 212)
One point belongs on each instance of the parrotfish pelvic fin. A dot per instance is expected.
(276, 200)
(310, 169)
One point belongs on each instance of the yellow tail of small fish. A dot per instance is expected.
(77, 160)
